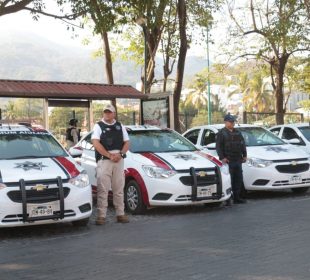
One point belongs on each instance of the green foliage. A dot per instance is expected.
(303, 76)
(274, 32)
(305, 104)
(24, 109)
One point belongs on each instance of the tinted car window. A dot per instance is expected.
(208, 137)
(193, 135)
(289, 133)
(86, 143)
(158, 141)
(24, 144)
(276, 131)
(305, 130)
(257, 136)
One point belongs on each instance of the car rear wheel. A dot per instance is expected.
(300, 190)
(81, 223)
(133, 198)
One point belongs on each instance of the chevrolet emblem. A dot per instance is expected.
(293, 162)
(202, 173)
(39, 187)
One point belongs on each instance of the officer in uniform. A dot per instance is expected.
(230, 147)
(72, 134)
(111, 143)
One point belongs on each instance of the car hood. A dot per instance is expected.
(174, 160)
(35, 169)
(277, 152)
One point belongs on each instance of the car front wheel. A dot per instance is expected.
(300, 190)
(133, 198)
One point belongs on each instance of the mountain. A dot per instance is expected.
(27, 56)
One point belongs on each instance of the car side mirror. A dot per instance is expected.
(211, 146)
(295, 141)
(76, 152)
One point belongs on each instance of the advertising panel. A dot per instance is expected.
(155, 112)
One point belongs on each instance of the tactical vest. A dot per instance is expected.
(111, 137)
(233, 144)
(69, 136)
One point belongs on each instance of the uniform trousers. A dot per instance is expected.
(110, 176)
(235, 170)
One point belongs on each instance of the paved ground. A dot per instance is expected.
(266, 239)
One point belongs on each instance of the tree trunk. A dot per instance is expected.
(279, 90)
(279, 101)
(153, 40)
(181, 63)
(108, 58)
(108, 63)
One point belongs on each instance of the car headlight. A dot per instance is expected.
(2, 186)
(257, 162)
(81, 180)
(158, 172)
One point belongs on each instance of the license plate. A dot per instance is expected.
(40, 210)
(296, 179)
(206, 191)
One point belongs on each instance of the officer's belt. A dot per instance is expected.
(103, 158)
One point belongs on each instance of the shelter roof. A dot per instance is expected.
(66, 90)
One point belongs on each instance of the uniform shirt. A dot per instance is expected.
(97, 133)
(230, 144)
(75, 137)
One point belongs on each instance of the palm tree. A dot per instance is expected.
(10, 110)
(243, 87)
(262, 96)
(198, 95)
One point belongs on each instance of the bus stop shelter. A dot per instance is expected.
(67, 94)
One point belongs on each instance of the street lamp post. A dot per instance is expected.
(209, 93)
(142, 22)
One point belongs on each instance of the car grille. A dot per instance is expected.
(201, 181)
(19, 217)
(34, 196)
(298, 168)
(287, 183)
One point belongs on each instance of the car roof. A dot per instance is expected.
(219, 126)
(19, 127)
(291, 125)
(142, 127)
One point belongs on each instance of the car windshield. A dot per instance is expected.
(28, 144)
(158, 141)
(305, 130)
(258, 136)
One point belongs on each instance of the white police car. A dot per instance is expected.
(297, 134)
(272, 163)
(40, 182)
(162, 168)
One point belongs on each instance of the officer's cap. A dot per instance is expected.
(73, 121)
(109, 107)
(229, 118)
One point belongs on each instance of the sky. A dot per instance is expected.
(56, 31)
(50, 28)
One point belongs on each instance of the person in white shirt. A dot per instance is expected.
(111, 142)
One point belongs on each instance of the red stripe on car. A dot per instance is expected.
(68, 166)
(133, 173)
(156, 160)
(212, 158)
